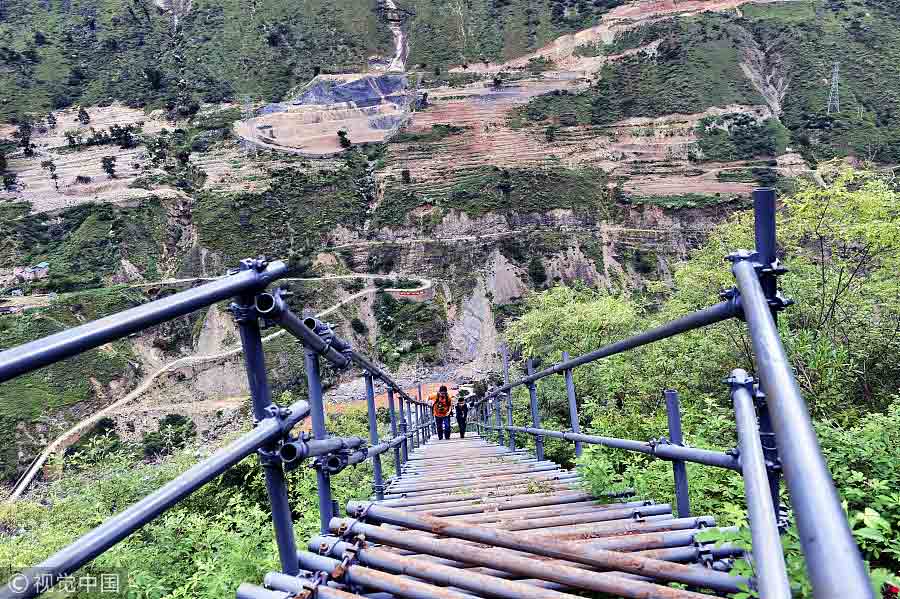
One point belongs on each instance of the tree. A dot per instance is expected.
(72, 138)
(343, 139)
(536, 271)
(9, 182)
(51, 120)
(405, 176)
(83, 117)
(550, 133)
(49, 166)
(109, 166)
(23, 134)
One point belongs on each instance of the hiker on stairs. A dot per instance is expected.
(462, 413)
(440, 407)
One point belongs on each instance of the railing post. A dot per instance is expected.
(404, 429)
(573, 405)
(833, 560)
(770, 451)
(509, 400)
(425, 431)
(317, 419)
(414, 438)
(373, 437)
(764, 234)
(768, 558)
(679, 469)
(535, 414)
(254, 359)
(496, 402)
(509, 421)
(393, 413)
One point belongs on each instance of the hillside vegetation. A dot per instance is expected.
(205, 547)
(493, 30)
(698, 61)
(55, 54)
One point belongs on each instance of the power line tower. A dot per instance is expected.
(834, 98)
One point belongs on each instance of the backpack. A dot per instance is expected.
(442, 405)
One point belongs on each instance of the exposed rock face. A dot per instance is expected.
(473, 336)
(505, 281)
(218, 333)
(572, 265)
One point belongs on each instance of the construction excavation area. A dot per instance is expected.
(648, 156)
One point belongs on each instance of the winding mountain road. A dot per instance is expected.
(26, 479)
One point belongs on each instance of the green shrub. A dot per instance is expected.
(174, 432)
(359, 327)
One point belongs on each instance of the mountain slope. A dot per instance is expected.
(92, 52)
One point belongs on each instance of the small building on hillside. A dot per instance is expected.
(40, 270)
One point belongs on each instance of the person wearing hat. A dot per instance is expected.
(441, 405)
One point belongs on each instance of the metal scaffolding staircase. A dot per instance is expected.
(469, 518)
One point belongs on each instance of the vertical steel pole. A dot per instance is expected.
(573, 405)
(496, 401)
(768, 557)
(764, 233)
(404, 429)
(414, 438)
(317, 419)
(770, 450)
(421, 415)
(261, 395)
(679, 469)
(393, 412)
(373, 437)
(509, 400)
(535, 414)
(509, 421)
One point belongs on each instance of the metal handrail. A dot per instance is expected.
(833, 560)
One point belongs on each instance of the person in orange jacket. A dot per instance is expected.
(441, 405)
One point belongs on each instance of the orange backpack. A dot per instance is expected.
(442, 405)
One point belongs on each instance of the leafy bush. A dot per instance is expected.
(359, 327)
(174, 432)
(739, 136)
(409, 330)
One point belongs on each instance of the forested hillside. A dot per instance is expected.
(493, 30)
(55, 54)
(786, 50)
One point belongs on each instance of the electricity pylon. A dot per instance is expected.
(834, 98)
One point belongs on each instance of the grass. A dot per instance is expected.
(289, 218)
